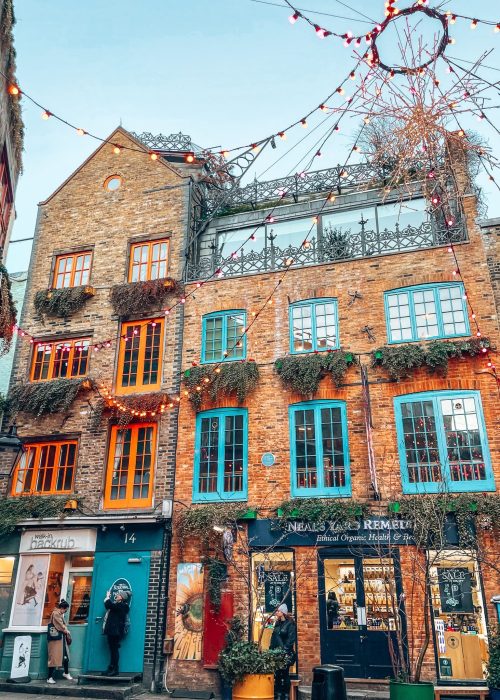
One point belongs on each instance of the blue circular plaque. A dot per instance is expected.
(268, 459)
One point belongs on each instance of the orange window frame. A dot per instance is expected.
(36, 465)
(73, 272)
(53, 364)
(6, 195)
(148, 260)
(139, 343)
(115, 470)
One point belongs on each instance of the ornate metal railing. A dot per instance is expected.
(161, 142)
(346, 246)
(338, 179)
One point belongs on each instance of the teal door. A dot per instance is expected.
(112, 568)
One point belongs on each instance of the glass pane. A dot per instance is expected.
(305, 449)
(151, 372)
(425, 315)
(302, 328)
(235, 329)
(340, 226)
(143, 463)
(121, 465)
(453, 310)
(421, 444)
(233, 454)
(326, 325)
(463, 440)
(230, 241)
(209, 455)
(291, 233)
(380, 593)
(399, 316)
(53, 593)
(340, 594)
(79, 589)
(408, 213)
(213, 338)
(131, 343)
(333, 448)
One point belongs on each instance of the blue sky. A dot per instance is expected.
(227, 72)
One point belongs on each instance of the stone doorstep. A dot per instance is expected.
(70, 689)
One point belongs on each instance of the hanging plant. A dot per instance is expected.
(198, 521)
(8, 313)
(129, 409)
(317, 510)
(400, 360)
(43, 398)
(217, 382)
(217, 575)
(62, 302)
(15, 510)
(137, 297)
(303, 373)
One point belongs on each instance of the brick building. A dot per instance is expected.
(107, 258)
(375, 273)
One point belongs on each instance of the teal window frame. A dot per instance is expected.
(220, 495)
(447, 485)
(439, 313)
(313, 303)
(224, 315)
(320, 490)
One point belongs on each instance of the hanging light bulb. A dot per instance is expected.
(80, 132)
(117, 150)
(303, 123)
(13, 89)
(46, 114)
(473, 24)
(352, 75)
(293, 18)
(153, 155)
(497, 28)
(282, 135)
(320, 32)
(189, 158)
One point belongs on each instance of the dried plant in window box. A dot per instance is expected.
(62, 302)
(221, 380)
(42, 398)
(130, 409)
(137, 297)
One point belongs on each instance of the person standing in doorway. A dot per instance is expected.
(284, 637)
(114, 627)
(332, 609)
(58, 641)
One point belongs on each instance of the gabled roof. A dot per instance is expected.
(119, 131)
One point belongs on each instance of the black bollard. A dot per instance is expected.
(328, 683)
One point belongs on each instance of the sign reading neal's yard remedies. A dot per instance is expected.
(373, 530)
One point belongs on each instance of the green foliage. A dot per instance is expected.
(219, 381)
(197, 521)
(134, 406)
(316, 510)
(137, 297)
(493, 667)
(242, 658)
(43, 398)
(335, 243)
(303, 373)
(8, 313)
(15, 510)
(400, 360)
(217, 574)
(62, 302)
(236, 630)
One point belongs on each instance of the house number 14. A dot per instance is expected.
(129, 537)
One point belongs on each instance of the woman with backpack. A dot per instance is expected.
(58, 641)
(114, 627)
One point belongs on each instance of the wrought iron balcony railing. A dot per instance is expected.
(348, 246)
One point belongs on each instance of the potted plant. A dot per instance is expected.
(249, 670)
(493, 668)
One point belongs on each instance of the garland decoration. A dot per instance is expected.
(8, 313)
(136, 297)
(62, 302)
(401, 360)
(198, 521)
(15, 510)
(303, 373)
(43, 398)
(129, 409)
(220, 381)
(316, 510)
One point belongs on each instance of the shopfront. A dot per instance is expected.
(54, 563)
(361, 598)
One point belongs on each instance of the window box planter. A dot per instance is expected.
(251, 514)
(62, 302)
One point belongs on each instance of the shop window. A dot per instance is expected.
(220, 469)
(72, 270)
(53, 591)
(139, 361)
(55, 360)
(45, 468)
(223, 336)
(149, 260)
(131, 460)
(319, 449)
(425, 312)
(273, 583)
(442, 442)
(6, 568)
(79, 588)
(314, 325)
(6, 194)
(340, 594)
(459, 617)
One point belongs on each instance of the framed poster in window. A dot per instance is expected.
(29, 597)
(455, 589)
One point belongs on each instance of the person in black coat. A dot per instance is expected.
(114, 627)
(284, 637)
(332, 609)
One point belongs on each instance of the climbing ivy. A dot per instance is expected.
(315, 510)
(137, 297)
(401, 360)
(46, 397)
(303, 373)
(135, 409)
(8, 313)
(15, 510)
(219, 381)
(197, 521)
(217, 574)
(62, 302)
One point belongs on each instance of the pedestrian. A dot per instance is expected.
(332, 609)
(58, 641)
(114, 627)
(284, 637)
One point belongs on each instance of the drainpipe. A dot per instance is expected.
(165, 550)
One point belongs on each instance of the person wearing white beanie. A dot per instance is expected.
(284, 637)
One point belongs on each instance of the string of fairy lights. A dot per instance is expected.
(370, 57)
